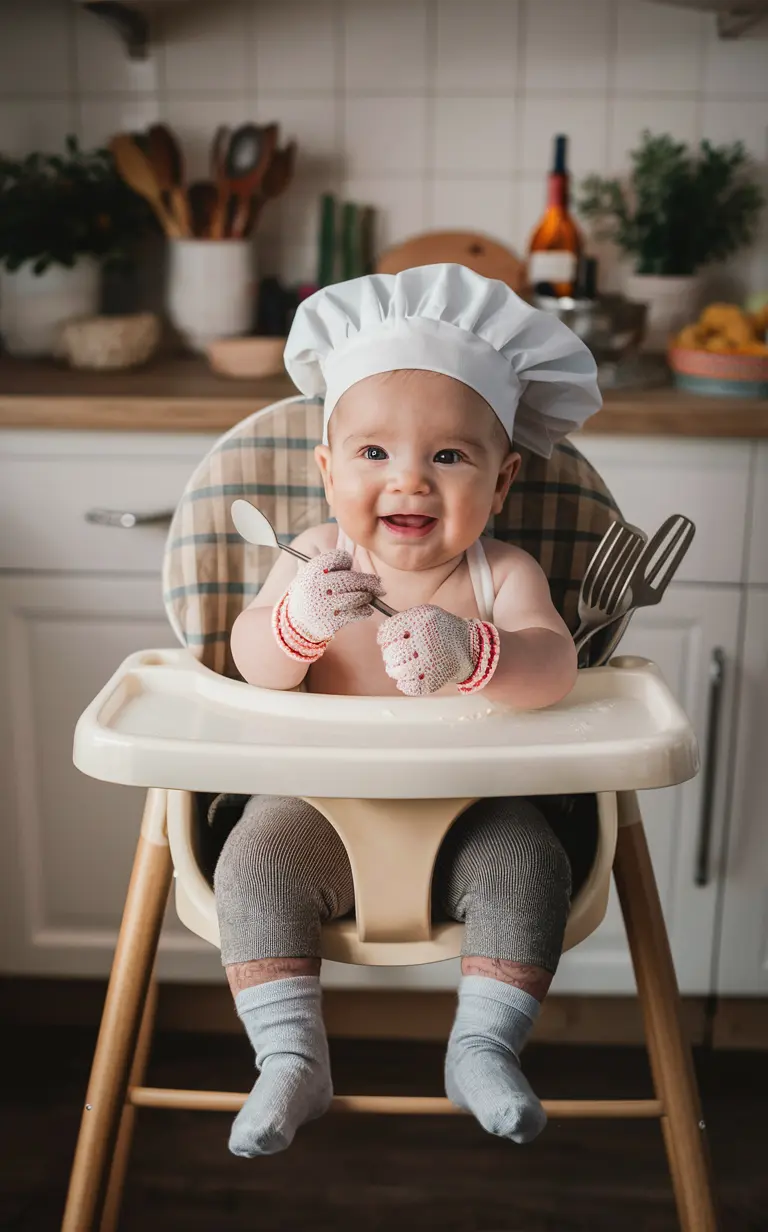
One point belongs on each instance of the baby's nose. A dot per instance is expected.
(410, 478)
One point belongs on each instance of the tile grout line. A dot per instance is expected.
(516, 176)
(429, 176)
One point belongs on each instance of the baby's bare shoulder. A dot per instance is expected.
(317, 539)
(506, 559)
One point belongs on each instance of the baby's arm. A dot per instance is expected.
(537, 663)
(255, 651)
(298, 611)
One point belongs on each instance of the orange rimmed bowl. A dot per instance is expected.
(719, 375)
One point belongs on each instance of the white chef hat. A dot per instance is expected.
(535, 374)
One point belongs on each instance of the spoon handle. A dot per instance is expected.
(384, 608)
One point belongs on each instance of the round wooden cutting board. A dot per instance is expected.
(478, 252)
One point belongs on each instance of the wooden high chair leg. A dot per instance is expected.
(118, 1034)
(121, 1157)
(670, 1055)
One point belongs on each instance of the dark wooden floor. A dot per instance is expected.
(366, 1174)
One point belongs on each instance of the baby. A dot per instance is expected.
(424, 375)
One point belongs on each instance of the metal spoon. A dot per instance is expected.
(257, 529)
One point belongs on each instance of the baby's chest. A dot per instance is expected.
(352, 663)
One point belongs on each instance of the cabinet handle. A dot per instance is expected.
(126, 520)
(716, 683)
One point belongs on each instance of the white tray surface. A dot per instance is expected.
(163, 713)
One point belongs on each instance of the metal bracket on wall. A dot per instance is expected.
(131, 25)
(736, 21)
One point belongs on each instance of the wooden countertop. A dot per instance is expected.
(183, 395)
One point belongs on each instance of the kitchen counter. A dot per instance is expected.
(183, 395)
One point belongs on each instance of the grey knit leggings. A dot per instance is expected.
(283, 872)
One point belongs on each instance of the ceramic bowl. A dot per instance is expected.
(247, 357)
(719, 375)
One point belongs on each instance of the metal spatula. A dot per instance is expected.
(658, 563)
(257, 529)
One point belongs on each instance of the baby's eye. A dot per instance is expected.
(448, 457)
(374, 453)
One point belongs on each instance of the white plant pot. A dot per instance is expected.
(211, 289)
(672, 303)
(35, 307)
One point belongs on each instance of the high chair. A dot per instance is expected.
(180, 722)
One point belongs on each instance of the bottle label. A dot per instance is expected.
(556, 265)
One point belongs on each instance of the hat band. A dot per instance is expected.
(426, 345)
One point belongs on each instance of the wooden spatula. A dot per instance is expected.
(134, 167)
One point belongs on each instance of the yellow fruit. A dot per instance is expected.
(739, 331)
(720, 344)
(690, 338)
(716, 316)
(760, 320)
(754, 348)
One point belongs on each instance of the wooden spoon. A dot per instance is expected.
(167, 161)
(277, 177)
(219, 147)
(203, 199)
(250, 152)
(134, 167)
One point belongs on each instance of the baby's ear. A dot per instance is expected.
(506, 477)
(323, 460)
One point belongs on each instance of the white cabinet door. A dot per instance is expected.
(682, 636)
(68, 840)
(708, 481)
(743, 952)
(758, 542)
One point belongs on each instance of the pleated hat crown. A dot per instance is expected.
(535, 374)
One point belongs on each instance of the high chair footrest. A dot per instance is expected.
(397, 1105)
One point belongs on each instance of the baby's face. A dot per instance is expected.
(416, 464)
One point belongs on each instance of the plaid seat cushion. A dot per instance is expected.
(558, 510)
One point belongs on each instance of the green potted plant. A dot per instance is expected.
(61, 218)
(680, 211)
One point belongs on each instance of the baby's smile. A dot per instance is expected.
(409, 525)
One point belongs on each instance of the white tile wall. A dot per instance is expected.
(438, 112)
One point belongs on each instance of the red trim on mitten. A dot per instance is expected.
(485, 648)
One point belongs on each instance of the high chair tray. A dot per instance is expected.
(163, 720)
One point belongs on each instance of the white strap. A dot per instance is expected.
(479, 573)
(482, 579)
(344, 543)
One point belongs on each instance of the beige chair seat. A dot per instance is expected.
(401, 924)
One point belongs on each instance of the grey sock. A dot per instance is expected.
(482, 1067)
(284, 1022)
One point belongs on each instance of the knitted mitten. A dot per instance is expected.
(425, 648)
(324, 596)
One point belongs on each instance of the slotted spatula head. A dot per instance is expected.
(254, 527)
(660, 560)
